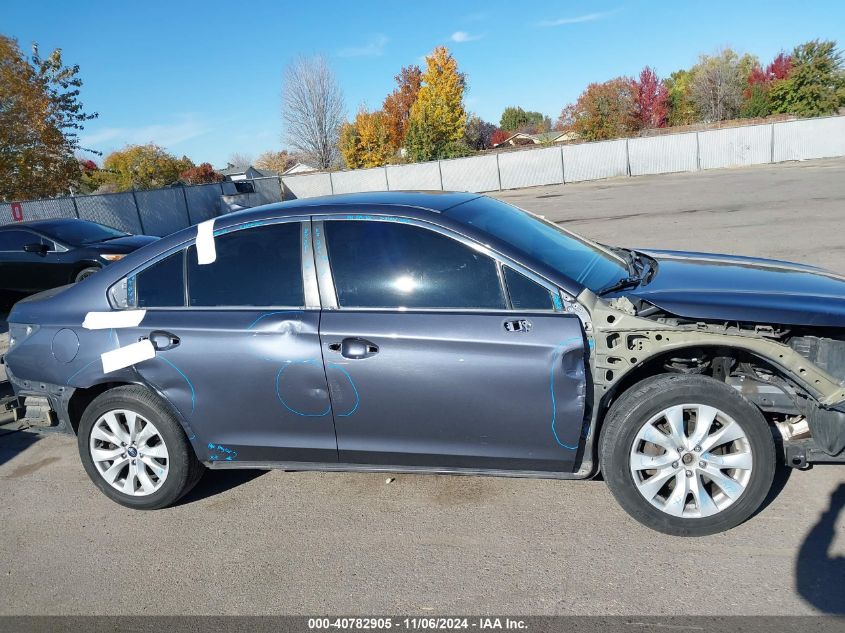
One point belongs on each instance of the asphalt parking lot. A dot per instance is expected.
(315, 543)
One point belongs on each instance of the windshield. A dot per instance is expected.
(575, 257)
(78, 232)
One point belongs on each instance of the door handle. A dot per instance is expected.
(161, 340)
(518, 325)
(354, 348)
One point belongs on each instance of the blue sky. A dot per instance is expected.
(204, 79)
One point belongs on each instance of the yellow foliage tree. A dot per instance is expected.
(141, 167)
(438, 118)
(366, 142)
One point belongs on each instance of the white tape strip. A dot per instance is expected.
(126, 356)
(206, 253)
(113, 319)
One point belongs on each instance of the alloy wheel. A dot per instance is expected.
(691, 460)
(129, 452)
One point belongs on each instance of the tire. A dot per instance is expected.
(85, 272)
(626, 452)
(170, 467)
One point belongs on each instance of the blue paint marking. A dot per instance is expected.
(310, 361)
(355, 389)
(80, 370)
(263, 316)
(386, 218)
(558, 303)
(552, 390)
(228, 454)
(112, 336)
(187, 380)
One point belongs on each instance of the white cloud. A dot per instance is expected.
(373, 48)
(165, 134)
(588, 17)
(463, 36)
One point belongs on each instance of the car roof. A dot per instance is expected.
(39, 225)
(437, 201)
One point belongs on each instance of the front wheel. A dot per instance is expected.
(135, 451)
(85, 273)
(687, 455)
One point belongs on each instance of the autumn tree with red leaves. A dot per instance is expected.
(201, 174)
(397, 105)
(499, 137)
(651, 100)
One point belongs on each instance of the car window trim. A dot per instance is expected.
(308, 274)
(41, 237)
(328, 291)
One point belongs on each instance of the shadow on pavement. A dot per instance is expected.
(215, 482)
(820, 577)
(14, 441)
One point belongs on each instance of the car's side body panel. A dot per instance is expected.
(458, 389)
(250, 383)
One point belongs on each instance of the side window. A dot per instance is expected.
(392, 265)
(160, 285)
(16, 240)
(261, 266)
(526, 294)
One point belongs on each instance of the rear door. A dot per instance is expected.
(238, 349)
(433, 362)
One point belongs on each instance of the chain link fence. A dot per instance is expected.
(163, 211)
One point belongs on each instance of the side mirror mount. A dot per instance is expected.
(41, 249)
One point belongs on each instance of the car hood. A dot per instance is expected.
(736, 288)
(123, 244)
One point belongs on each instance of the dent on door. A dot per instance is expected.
(456, 390)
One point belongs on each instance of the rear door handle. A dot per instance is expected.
(161, 340)
(354, 348)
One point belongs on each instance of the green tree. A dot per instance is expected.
(515, 119)
(682, 110)
(40, 118)
(141, 167)
(816, 84)
(757, 104)
(438, 119)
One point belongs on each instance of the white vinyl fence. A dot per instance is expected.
(163, 211)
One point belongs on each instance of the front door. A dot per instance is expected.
(238, 349)
(439, 355)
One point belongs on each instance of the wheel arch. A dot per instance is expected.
(83, 397)
(656, 365)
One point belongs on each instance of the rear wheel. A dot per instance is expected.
(135, 451)
(687, 455)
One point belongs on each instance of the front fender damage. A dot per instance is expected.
(622, 341)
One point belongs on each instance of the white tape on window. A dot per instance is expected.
(128, 355)
(206, 253)
(113, 319)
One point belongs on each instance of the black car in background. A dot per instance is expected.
(43, 254)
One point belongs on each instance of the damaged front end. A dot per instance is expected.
(795, 375)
